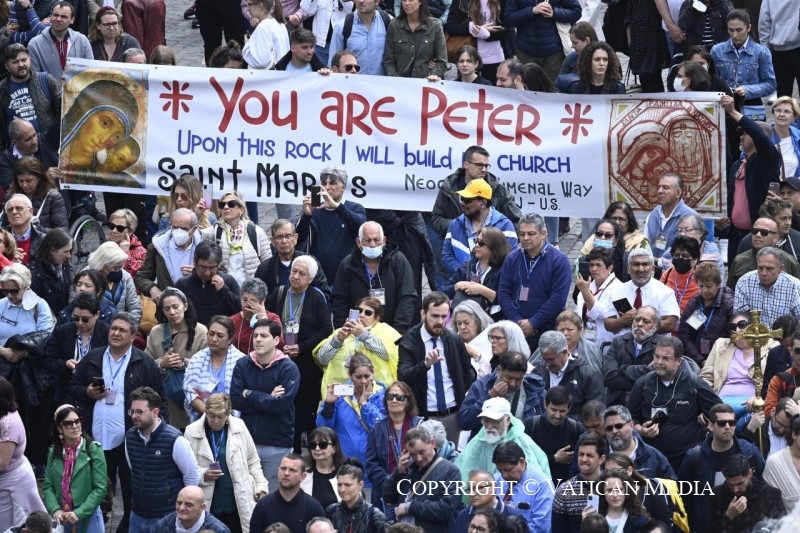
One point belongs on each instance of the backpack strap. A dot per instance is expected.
(347, 29)
(45, 86)
(251, 234)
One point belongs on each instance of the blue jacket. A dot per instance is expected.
(532, 497)
(479, 392)
(702, 470)
(155, 477)
(210, 523)
(794, 133)
(352, 429)
(752, 68)
(537, 35)
(457, 248)
(549, 283)
(649, 462)
(269, 420)
(377, 457)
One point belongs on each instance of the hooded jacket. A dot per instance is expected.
(532, 384)
(584, 382)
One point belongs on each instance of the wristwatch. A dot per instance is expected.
(246, 393)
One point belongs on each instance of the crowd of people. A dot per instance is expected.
(230, 377)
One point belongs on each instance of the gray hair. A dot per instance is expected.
(363, 226)
(255, 287)
(19, 274)
(668, 341)
(474, 310)
(533, 218)
(552, 341)
(770, 250)
(657, 320)
(19, 196)
(15, 127)
(127, 317)
(640, 252)
(130, 53)
(317, 520)
(515, 338)
(437, 431)
(338, 171)
(620, 411)
(106, 254)
(697, 224)
(182, 212)
(310, 263)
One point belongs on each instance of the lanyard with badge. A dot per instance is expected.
(379, 293)
(111, 393)
(700, 320)
(523, 290)
(292, 325)
(216, 446)
(661, 238)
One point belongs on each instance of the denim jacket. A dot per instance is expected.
(751, 68)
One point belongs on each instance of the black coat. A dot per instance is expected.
(272, 270)
(411, 365)
(142, 371)
(619, 370)
(49, 287)
(584, 382)
(394, 275)
(60, 348)
(763, 501)
(207, 300)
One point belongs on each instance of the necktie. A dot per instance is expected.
(637, 302)
(742, 170)
(438, 377)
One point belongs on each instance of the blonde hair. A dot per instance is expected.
(219, 403)
(240, 198)
(130, 218)
(788, 100)
(107, 254)
(19, 274)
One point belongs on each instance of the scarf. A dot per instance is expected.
(70, 455)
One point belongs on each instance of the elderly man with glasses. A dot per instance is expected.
(27, 233)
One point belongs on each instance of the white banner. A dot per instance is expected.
(269, 134)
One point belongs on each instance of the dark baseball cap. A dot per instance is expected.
(794, 183)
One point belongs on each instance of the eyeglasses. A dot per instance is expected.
(682, 256)
(480, 244)
(481, 166)
(9, 292)
(763, 232)
(327, 179)
(352, 68)
(15, 208)
(112, 227)
(368, 312)
(724, 423)
(137, 412)
(322, 445)
(109, 25)
(684, 231)
(496, 338)
(479, 529)
(229, 204)
(603, 235)
(742, 324)
(180, 196)
(69, 424)
(286, 237)
(617, 426)
(84, 319)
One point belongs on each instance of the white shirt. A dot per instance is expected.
(267, 45)
(108, 421)
(654, 293)
(790, 161)
(602, 303)
(449, 391)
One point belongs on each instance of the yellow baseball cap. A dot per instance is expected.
(477, 188)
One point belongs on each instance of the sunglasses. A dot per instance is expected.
(398, 397)
(467, 201)
(724, 423)
(604, 235)
(328, 179)
(69, 424)
(368, 312)
(229, 204)
(180, 196)
(763, 232)
(352, 68)
(321, 445)
(112, 227)
(742, 324)
(617, 426)
(480, 244)
(10, 292)
(84, 319)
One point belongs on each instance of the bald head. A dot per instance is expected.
(23, 136)
(768, 226)
(190, 505)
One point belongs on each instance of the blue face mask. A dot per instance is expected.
(602, 243)
(372, 252)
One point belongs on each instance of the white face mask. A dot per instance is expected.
(677, 84)
(180, 236)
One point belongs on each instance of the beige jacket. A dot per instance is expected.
(243, 464)
(715, 370)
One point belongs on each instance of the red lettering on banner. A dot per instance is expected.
(349, 113)
(239, 101)
(435, 104)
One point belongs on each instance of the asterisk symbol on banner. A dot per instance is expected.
(175, 97)
(576, 122)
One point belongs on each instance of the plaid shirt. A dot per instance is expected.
(782, 298)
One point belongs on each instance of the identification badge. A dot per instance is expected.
(697, 319)
(293, 327)
(523, 294)
(590, 331)
(656, 410)
(705, 346)
(380, 294)
(290, 338)
(661, 242)
(475, 278)
(111, 397)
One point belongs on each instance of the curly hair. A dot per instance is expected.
(584, 67)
